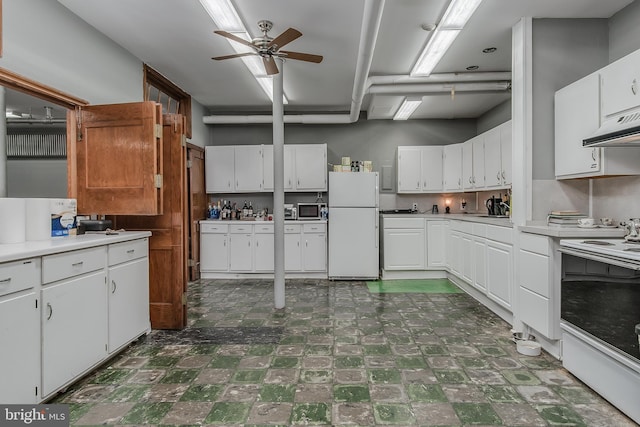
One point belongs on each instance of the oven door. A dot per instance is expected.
(601, 296)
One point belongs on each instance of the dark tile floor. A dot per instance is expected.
(336, 355)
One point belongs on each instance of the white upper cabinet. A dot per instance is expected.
(420, 169)
(621, 85)
(452, 167)
(219, 169)
(506, 144)
(310, 167)
(473, 168)
(497, 156)
(578, 116)
(248, 167)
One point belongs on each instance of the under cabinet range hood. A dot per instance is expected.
(619, 130)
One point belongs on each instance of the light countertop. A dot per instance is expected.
(503, 222)
(572, 232)
(16, 251)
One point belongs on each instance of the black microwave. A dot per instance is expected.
(310, 210)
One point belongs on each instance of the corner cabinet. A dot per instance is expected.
(420, 169)
(497, 156)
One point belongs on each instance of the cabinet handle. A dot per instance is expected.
(298, 181)
(224, 242)
(503, 176)
(50, 311)
(113, 286)
(498, 176)
(418, 184)
(306, 243)
(459, 182)
(470, 181)
(425, 184)
(298, 244)
(77, 264)
(130, 251)
(7, 280)
(593, 154)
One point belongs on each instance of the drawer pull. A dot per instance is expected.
(7, 280)
(130, 251)
(77, 264)
(113, 286)
(50, 311)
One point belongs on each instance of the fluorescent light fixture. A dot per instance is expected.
(224, 15)
(407, 108)
(226, 18)
(454, 19)
(12, 115)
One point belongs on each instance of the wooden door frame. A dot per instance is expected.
(31, 87)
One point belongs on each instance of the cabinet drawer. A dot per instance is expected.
(68, 264)
(499, 234)
(126, 251)
(19, 275)
(263, 228)
(535, 244)
(479, 230)
(240, 228)
(314, 228)
(403, 222)
(213, 227)
(292, 228)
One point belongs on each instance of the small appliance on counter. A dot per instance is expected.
(85, 225)
(310, 211)
(290, 212)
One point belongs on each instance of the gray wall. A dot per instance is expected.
(496, 116)
(564, 50)
(624, 31)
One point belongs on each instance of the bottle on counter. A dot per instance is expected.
(224, 212)
(250, 212)
(209, 211)
(245, 210)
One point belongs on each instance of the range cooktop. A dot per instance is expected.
(617, 248)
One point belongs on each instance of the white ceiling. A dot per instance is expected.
(176, 38)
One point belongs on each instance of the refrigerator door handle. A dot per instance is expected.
(377, 228)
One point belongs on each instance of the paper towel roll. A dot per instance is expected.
(12, 220)
(38, 219)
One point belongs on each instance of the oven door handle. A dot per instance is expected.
(601, 258)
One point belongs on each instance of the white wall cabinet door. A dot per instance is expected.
(493, 158)
(315, 252)
(409, 169)
(240, 252)
(404, 249)
(506, 141)
(453, 167)
(128, 301)
(20, 354)
(620, 84)
(219, 169)
(263, 252)
(311, 167)
(467, 164)
(436, 244)
(432, 168)
(73, 311)
(248, 168)
(499, 272)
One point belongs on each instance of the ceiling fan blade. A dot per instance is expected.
(235, 55)
(234, 38)
(302, 56)
(287, 37)
(270, 66)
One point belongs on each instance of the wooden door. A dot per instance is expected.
(115, 164)
(168, 243)
(197, 206)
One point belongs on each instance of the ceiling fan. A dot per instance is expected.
(268, 47)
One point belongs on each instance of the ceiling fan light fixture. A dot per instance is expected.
(407, 108)
(224, 15)
(453, 21)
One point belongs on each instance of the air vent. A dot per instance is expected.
(42, 146)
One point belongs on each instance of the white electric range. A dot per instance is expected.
(619, 248)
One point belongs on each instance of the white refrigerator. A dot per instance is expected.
(353, 225)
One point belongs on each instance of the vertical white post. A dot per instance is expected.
(278, 187)
(3, 145)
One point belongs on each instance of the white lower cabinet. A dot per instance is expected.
(19, 332)
(499, 272)
(240, 248)
(74, 328)
(128, 288)
(315, 247)
(292, 251)
(263, 251)
(214, 247)
(480, 260)
(436, 243)
(404, 244)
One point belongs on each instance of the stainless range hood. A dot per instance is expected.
(620, 130)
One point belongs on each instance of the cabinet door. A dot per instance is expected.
(478, 162)
(506, 140)
(128, 302)
(404, 249)
(492, 158)
(73, 312)
(453, 167)
(499, 265)
(289, 168)
(214, 255)
(436, 244)
(263, 252)
(577, 115)
(409, 169)
(315, 252)
(292, 252)
(20, 355)
(114, 158)
(240, 250)
(311, 167)
(620, 81)
(267, 167)
(219, 168)
(466, 245)
(432, 168)
(479, 262)
(248, 167)
(454, 253)
(467, 164)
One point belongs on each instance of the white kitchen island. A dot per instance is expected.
(67, 304)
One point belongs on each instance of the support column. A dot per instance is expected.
(3, 145)
(278, 187)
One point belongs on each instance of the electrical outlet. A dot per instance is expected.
(414, 206)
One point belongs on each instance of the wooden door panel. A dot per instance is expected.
(118, 155)
(167, 245)
(197, 206)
